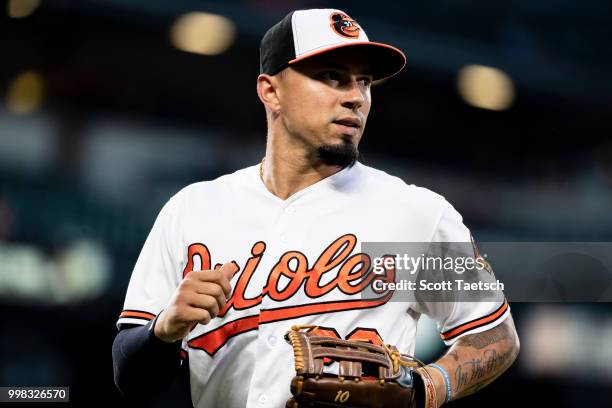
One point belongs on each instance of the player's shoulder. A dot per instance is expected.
(419, 203)
(398, 189)
(219, 184)
(217, 187)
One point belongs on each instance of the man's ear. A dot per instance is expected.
(267, 90)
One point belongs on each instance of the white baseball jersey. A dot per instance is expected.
(298, 259)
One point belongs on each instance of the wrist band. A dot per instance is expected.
(446, 380)
(430, 398)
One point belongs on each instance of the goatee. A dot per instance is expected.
(344, 154)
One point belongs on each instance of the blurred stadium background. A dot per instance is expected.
(108, 107)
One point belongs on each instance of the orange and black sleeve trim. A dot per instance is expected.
(473, 324)
(136, 314)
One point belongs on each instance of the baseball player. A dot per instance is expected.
(232, 264)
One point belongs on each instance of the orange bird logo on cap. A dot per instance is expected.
(344, 25)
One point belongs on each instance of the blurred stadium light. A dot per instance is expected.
(25, 93)
(202, 33)
(21, 8)
(568, 342)
(485, 87)
(79, 272)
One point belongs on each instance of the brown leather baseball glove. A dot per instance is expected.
(347, 373)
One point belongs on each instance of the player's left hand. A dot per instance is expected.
(366, 375)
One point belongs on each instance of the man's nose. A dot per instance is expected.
(354, 96)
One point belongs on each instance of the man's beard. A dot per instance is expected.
(343, 155)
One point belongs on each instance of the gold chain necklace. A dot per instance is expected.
(261, 168)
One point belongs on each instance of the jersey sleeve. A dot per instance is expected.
(459, 318)
(157, 272)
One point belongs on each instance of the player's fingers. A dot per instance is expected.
(218, 276)
(212, 289)
(205, 302)
(229, 269)
(201, 316)
(186, 314)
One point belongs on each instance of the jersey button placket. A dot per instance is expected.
(285, 223)
(272, 341)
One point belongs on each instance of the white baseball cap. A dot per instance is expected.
(303, 34)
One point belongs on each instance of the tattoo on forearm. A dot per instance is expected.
(482, 340)
(474, 374)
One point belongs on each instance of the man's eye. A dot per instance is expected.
(329, 76)
(365, 81)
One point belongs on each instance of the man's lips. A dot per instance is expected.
(350, 122)
(349, 126)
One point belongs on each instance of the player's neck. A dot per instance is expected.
(289, 170)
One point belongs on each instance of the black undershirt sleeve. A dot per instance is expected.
(144, 365)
